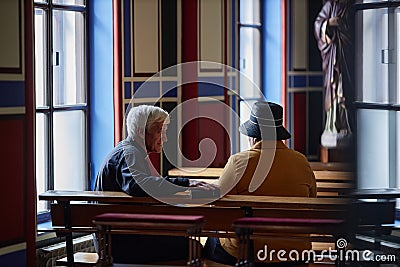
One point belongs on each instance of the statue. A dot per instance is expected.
(332, 33)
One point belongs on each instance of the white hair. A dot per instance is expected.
(143, 117)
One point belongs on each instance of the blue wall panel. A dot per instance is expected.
(12, 93)
(127, 38)
(169, 89)
(272, 50)
(101, 82)
(15, 259)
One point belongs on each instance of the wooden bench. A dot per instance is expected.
(334, 183)
(73, 211)
(148, 224)
(330, 183)
(248, 227)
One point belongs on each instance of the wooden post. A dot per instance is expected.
(324, 155)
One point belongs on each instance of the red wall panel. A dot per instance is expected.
(210, 126)
(189, 88)
(155, 160)
(12, 181)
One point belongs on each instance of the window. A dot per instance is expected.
(250, 58)
(61, 96)
(377, 85)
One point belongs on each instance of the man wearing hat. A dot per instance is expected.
(268, 168)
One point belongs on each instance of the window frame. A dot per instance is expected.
(390, 105)
(243, 141)
(50, 108)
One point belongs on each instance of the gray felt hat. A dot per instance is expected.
(265, 122)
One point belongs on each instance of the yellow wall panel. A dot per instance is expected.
(10, 45)
(300, 34)
(211, 30)
(146, 36)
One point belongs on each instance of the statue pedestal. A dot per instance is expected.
(324, 155)
(343, 154)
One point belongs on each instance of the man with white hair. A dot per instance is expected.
(127, 168)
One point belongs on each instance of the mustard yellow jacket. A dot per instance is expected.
(269, 168)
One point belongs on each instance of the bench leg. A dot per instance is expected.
(246, 250)
(70, 249)
(104, 241)
(109, 257)
(195, 257)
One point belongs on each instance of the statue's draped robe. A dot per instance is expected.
(334, 42)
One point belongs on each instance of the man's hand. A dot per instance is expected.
(202, 185)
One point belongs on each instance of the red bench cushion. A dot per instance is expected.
(242, 222)
(154, 218)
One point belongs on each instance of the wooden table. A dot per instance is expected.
(322, 168)
(196, 172)
(329, 183)
(325, 179)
